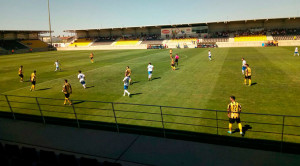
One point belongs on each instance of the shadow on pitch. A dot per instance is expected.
(177, 68)
(156, 78)
(245, 129)
(90, 87)
(135, 82)
(78, 102)
(135, 94)
(43, 89)
(254, 83)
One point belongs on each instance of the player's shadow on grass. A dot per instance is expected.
(134, 94)
(177, 68)
(254, 83)
(90, 87)
(245, 129)
(135, 82)
(27, 81)
(78, 102)
(43, 89)
(156, 78)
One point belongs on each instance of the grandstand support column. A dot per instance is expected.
(12, 112)
(49, 23)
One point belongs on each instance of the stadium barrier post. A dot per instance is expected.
(162, 121)
(281, 146)
(75, 115)
(217, 122)
(113, 109)
(12, 112)
(38, 104)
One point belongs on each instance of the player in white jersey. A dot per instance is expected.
(296, 51)
(150, 70)
(209, 55)
(243, 65)
(57, 65)
(81, 78)
(126, 83)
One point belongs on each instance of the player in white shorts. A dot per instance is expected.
(296, 51)
(81, 78)
(126, 83)
(150, 70)
(209, 55)
(243, 65)
(57, 65)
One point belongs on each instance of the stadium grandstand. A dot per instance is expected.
(241, 33)
(21, 41)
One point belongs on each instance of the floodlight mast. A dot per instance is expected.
(49, 23)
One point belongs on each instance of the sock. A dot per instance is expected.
(124, 93)
(84, 86)
(249, 82)
(69, 101)
(65, 101)
(243, 71)
(240, 127)
(230, 126)
(33, 87)
(245, 81)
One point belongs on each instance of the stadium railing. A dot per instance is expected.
(280, 128)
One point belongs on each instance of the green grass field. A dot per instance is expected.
(197, 83)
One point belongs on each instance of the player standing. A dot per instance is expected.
(171, 52)
(243, 65)
(176, 60)
(234, 109)
(173, 64)
(150, 70)
(57, 65)
(296, 51)
(67, 90)
(126, 83)
(92, 57)
(21, 73)
(33, 80)
(128, 74)
(81, 78)
(209, 55)
(247, 75)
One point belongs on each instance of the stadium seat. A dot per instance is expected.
(88, 162)
(29, 154)
(12, 151)
(11, 44)
(250, 38)
(81, 42)
(34, 43)
(48, 157)
(65, 159)
(126, 42)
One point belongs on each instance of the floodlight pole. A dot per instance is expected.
(49, 23)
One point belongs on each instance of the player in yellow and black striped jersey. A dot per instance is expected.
(21, 73)
(128, 74)
(171, 52)
(247, 75)
(33, 80)
(234, 109)
(67, 90)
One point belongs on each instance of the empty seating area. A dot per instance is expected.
(34, 43)
(287, 37)
(126, 42)
(11, 45)
(184, 40)
(81, 42)
(104, 41)
(152, 42)
(250, 38)
(213, 40)
(13, 155)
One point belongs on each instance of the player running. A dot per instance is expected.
(247, 75)
(150, 70)
(173, 64)
(209, 55)
(296, 51)
(243, 65)
(234, 109)
(92, 57)
(33, 80)
(176, 60)
(171, 52)
(128, 74)
(81, 78)
(21, 73)
(57, 65)
(126, 83)
(67, 90)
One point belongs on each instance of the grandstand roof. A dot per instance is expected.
(25, 31)
(183, 25)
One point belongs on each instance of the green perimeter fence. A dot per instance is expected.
(281, 128)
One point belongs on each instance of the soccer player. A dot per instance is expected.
(173, 64)
(150, 70)
(126, 83)
(296, 51)
(21, 73)
(247, 75)
(128, 74)
(234, 109)
(33, 80)
(171, 51)
(57, 65)
(67, 90)
(176, 60)
(209, 55)
(81, 78)
(92, 57)
(243, 65)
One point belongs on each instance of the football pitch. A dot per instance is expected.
(196, 83)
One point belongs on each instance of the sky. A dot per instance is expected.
(90, 14)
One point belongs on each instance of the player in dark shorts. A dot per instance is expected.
(176, 60)
(21, 73)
